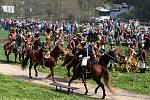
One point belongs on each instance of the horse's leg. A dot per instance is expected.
(96, 89)
(84, 82)
(102, 86)
(68, 69)
(73, 78)
(52, 73)
(16, 57)
(30, 67)
(8, 56)
(36, 73)
(20, 57)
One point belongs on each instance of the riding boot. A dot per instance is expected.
(110, 66)
(144, 70)
(141, 70)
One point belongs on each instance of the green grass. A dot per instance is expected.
(3, 34)
(136, 82)
(12, 89)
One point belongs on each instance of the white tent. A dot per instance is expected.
(8, 9)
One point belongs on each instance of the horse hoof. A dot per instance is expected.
(36, 75)
(103, 97)
(30, 77)
(85, 93)
(95, 92)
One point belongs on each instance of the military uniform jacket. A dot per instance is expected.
(142, 55)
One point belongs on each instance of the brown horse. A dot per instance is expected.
(14, 47)
(36, 58)
(97, 72)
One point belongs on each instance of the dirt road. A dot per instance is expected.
(15, 70)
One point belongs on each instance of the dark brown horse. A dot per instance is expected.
(36, 58)
(97, 72)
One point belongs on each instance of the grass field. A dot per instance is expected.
(12, 89)
(129, 81)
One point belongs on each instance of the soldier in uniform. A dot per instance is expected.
(142, 58)
(88, 56)
(131, 52)
(112, 62)
(12, 38)
(29, 39)
(37, 41)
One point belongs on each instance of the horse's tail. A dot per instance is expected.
(107, 81)
(24, 62)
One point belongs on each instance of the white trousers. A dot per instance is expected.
(142, 65)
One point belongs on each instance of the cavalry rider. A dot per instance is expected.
(47, 47)
(142, 58)
(37, 41)
(88, 56)
(48, 33)
(29, 39)
(73, 44)
(12, 38)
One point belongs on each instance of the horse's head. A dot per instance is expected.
(67, 57)
(67, 53)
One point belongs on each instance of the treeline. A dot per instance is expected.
(53, 9)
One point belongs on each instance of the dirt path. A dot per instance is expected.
(16, 71)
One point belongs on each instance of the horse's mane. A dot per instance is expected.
(104, 59)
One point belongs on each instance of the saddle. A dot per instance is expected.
(47, 55)
(87, 63)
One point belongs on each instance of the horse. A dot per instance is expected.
(97, 72)
(13, 48)
(36, 58)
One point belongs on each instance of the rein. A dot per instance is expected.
(110, 56)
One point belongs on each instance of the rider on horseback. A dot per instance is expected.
(46, 46)
(12, 38)
(29, 39)
(88, 56)
(37, 41)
